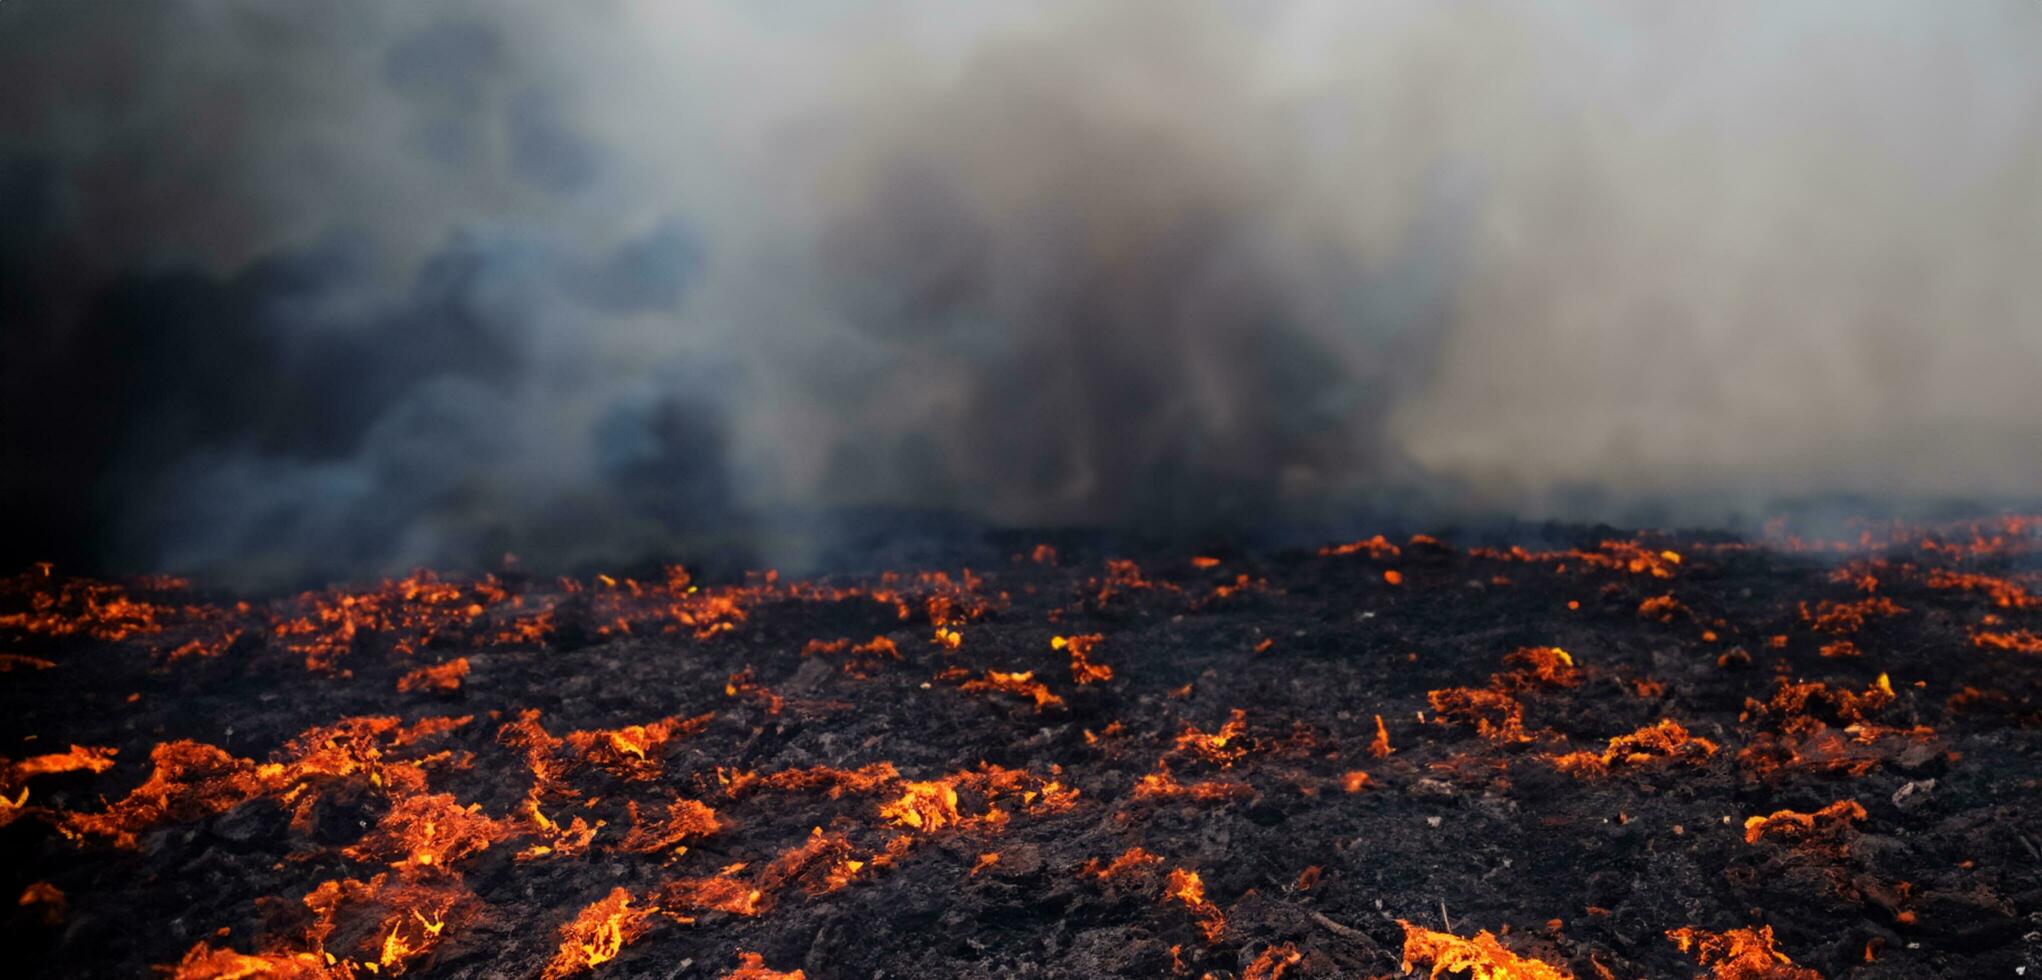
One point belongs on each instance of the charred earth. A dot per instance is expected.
(1581, 753)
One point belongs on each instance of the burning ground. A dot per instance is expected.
(1609, 755)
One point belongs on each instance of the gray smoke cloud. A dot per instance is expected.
(302, 290)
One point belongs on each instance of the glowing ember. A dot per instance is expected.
(1660, 743)
(48, 899)
(1794, 825)
(442, 679)
(1021, 683)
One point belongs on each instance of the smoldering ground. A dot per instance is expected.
(297, 291)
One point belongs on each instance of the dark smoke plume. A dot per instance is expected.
(293, 291)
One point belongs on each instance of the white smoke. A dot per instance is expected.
(1164, 263)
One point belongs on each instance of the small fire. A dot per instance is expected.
(1380, 745)
(79, 758)
(724, 892)
(633, 752)
(426, 831)
(684, 820)
(1740, 954)
(1161, 784)
(1272, 962)
(1482, 958)
(925, 806)
(1187, 887)
(203, 962)
(1222, 746)
(555, 840)
(1083, 670)
(598, 933)
(752, 966)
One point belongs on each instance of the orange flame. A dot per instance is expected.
(926, 806)
(429, 831)
(1131, 862)
(1021, 683)
(1272, 962)
(1482, 958)
(752, 966)
(1380, 746)
(1221, 747)
(1740, 954)
(1187, 887)
(684, 819)
(1664, 741)
(1793, 824)
(49, 898)
(598, 933)
(1083, 670)
(442, 679)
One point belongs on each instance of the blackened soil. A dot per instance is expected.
(1453, 831)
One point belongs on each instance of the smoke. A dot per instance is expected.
(304, 290)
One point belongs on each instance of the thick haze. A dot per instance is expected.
(303, 289)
